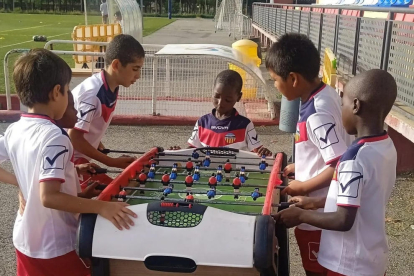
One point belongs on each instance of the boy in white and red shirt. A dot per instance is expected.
(41, 154)
(293, 63)
(224, 126)
(95, 100)
(354, 241)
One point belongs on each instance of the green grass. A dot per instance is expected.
(17, 30)
(259, 179)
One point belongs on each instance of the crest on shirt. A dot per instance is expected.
(86, 111)
(54, 157)
(326, 135)
(230, 138)
(253, 137)
(349, 182)
(313, 251)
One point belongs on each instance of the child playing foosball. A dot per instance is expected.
(353, 238)
(224, 126)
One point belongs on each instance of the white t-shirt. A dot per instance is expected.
(95, 103)
(39, 151)
(104, 9)
(235, 132)
(320, 138)
(364, 178)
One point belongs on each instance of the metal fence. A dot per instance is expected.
(359, 43)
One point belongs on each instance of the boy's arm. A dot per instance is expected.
(194, 140)
(349, 184)
(253, 141)
(8, 177)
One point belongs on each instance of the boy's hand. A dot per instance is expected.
(90, 191)
(175, 148)
(264, 151)
(295, 188)
(101, 147)
(304, 202)
(121, 162)
(86, 169)
(289, 170)
(118, 214)
(290, 217)
(22, 203)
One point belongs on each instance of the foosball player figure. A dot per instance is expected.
(211, 193)
(151, 173)
(189, 165)
(189, 197)
(142, 179)
(173, 174)
(207, 161)
(219, 175)
(195, 155)
(243, 176)
(255, 195)
(188, 182)
(212, 181)
(122, 196)
(165, 179)
(168, 190)
(196, 176)
(227, 170)
(152, 161)
(263, 164)
(236, 186)
(162, 218)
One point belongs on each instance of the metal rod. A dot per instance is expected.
(213, 156)
(195, 192)
(209, 169)
(106, 151)
(215, 162)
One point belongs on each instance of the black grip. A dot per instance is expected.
(101, 187)
(100, 170)
(105, 151)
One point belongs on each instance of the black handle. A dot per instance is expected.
(99, 171)
(105, 151)
(218, 151)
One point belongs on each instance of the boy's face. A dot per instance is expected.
(59, 95)
(286, 87)
(69, 118)
(349, 111)
(225, 98)
(129, 74)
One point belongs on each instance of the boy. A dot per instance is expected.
(224, 126)
(104, 11)
(95, 100)
(293, 63)
(42, 157)
(354, 242)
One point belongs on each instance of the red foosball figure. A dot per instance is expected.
(189, 197)
(142, 178)
(227, 166)
(165, 179)
(189, 165)
(212, 181)
(236, 186)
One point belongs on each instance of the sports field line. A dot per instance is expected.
(40, 26)
(5, 46)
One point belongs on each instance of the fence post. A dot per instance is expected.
(309, 22)
(355, 59)
(300, 19)
(320, 32)
(337, 20)
(386, 46)
(154, 85)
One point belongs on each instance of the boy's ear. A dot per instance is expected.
(115, 64)
(241, 94)
(294, 78)
(55, 93)
(356, 108)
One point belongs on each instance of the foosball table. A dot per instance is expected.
(204, 211)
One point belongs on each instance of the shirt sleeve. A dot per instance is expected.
(194, 140)
(55, 159)
(350, 177)
(252, 138)
(3, 152)
(87, 107)
(322, 131)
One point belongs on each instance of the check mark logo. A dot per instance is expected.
(255, 137)
(86, 112)
(325, 139)
(53, 160)
(343, 188)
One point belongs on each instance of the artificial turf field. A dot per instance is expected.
(17, 30)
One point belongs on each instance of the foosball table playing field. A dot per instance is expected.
(204, 211)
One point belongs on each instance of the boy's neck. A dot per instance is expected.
(42, 109)
(110, 79)
(369, 127)
(310, 87)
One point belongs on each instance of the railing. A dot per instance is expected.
(359, 43)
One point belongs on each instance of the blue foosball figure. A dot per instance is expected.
(219, 177)
(263, 164)
(168, 190)
(242, 179)
(151, 174)
(195, 155)
(173, 175)
(207, 161)
(211, 193)
(255, 195)
(196, 175)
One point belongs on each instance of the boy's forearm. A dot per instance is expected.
(68, 203)
(336, 221)
(80, 144)
(8, 177)
(320, 181)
